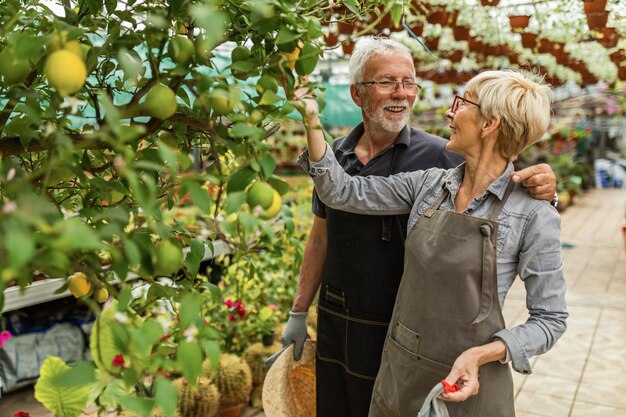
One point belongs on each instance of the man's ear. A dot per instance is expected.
(491, 125)
(356, 95)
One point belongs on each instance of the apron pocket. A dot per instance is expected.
(405, 379)
(335, 297)
(365, 339)
(405, 337)
(331, 333)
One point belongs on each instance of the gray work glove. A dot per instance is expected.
(433, 406)
(295, 332)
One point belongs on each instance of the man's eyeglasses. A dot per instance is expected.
(460, 101)
(410, 87)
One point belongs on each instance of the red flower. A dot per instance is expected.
(21, 414)
(164, 337)
(118, 360)
(231, 317)
(229, 303)
(241, 311)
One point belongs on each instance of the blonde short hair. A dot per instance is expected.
(522, 103)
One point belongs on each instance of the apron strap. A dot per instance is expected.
(386, 221)
(489, 275)
(433, 208)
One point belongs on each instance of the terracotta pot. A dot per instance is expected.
(452, 16)
(345, 27)
(621, 73)
(417, 28)
(432, 43)
(476, 45)
(331, 39)
(489, 2)
(594, 6)
(562, 58)
(618, 56)
(233, 411)
(513, 58)
(609, 37)
(529, 40)
(597, 20)
(461, 33)
(347, 47)
(519, 22)
(437, 14)
(545, 46)
(456, 56)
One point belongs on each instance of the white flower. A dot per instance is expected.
(190, 333)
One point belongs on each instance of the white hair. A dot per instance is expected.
(368, 46)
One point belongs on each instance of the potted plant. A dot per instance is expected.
(460, 32)
(597, 20)
(594, 6)
(519, 22)
(489, 2)
(529, 40)
(437, 14)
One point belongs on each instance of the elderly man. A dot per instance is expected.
(358, 259)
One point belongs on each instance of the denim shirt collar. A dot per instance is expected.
(347, 146)
(454, 177)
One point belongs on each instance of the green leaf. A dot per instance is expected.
(189, 358)
(102, 343)
(123, 299)
(285, 35)
(215, 291)
(77, 235)
(166, 396)
(234, 201)
(141, 406)
(129, 64)
(352, 5)
(190, 309)
(212, 352)
(242, 130)
(18, 242)
(307, 60)
(269, 97)
(61, 401)
(268, 164)
(210, 19)
(240, 179)
(81, 374)
(265, 313)
(279, 185)
(200, 196)
(396, 12)
(149, 333)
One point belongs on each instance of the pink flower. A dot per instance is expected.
(229, 303)
(272, 307)
(231, 317)
(118, 360)
(4, 336)
(21, 414)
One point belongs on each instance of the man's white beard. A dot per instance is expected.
(391, 125)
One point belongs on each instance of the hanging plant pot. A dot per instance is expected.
(437, 14)
(618, 56)
(417, 28)
(345, 28)
(594, 6)
(529, 40)
(476, 45)
(597, 20)
(519, 22)
(562, 58)
(489, 2)
(513, 58)
(588, 78)
(432, 43)
(347, 47)
(609, 37)
(331, 39)
(545, 46)
(621, 73)
(461, 33)
(456, 56)
(452, 17)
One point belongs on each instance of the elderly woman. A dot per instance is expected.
(471, 231)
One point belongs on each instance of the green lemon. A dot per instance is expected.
(273, 209)
(182, 50)
(169, 139)
(13, 70)
(65, 71)
(168, 258)
(223, 100)
(160, 102)
(240, 53)
(260, 194)
(266, 82)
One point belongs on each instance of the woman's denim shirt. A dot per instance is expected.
(528, 238)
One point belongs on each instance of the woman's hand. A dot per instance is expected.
(305, 102)
(465, 369)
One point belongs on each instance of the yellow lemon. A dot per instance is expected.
(65, 71)
(79, 285)
(223, 100)
(101, 295)
(260, 194)
(273, 209)
(160, 102)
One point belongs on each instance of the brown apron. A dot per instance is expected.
(447, 302)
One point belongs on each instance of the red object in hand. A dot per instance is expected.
(449, 388)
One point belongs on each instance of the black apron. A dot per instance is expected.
(355, 305)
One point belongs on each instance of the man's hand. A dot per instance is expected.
(539, 180)
(295, 332)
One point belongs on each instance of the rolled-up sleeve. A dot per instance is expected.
(363, 195)
(541, 269)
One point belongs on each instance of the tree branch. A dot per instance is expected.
(12, 146)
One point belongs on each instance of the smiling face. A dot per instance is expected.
(465, 127)
(387, 111)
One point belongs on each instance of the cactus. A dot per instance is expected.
(255, 355)
(233, 380)
(199, 401)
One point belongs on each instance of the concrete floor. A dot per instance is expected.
(583, 376)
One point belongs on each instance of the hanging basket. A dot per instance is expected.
(417, 28)
(597, 21)
(621, 73)
(489, 2)
(461, 33)
(529, 40)
(456, 56)
(347, 47)
(618, 56)
(594, 6)
(562, 58)
(609, 37)
(437, 14)
(476, 45)
(513, 58)
(331, 39)
(519, 22)
(545, 46)
(345, 28)
(432, 43)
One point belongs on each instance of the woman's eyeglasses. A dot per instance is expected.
(460, 101)
(410, 87)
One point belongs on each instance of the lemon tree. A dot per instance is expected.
(115, 118)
